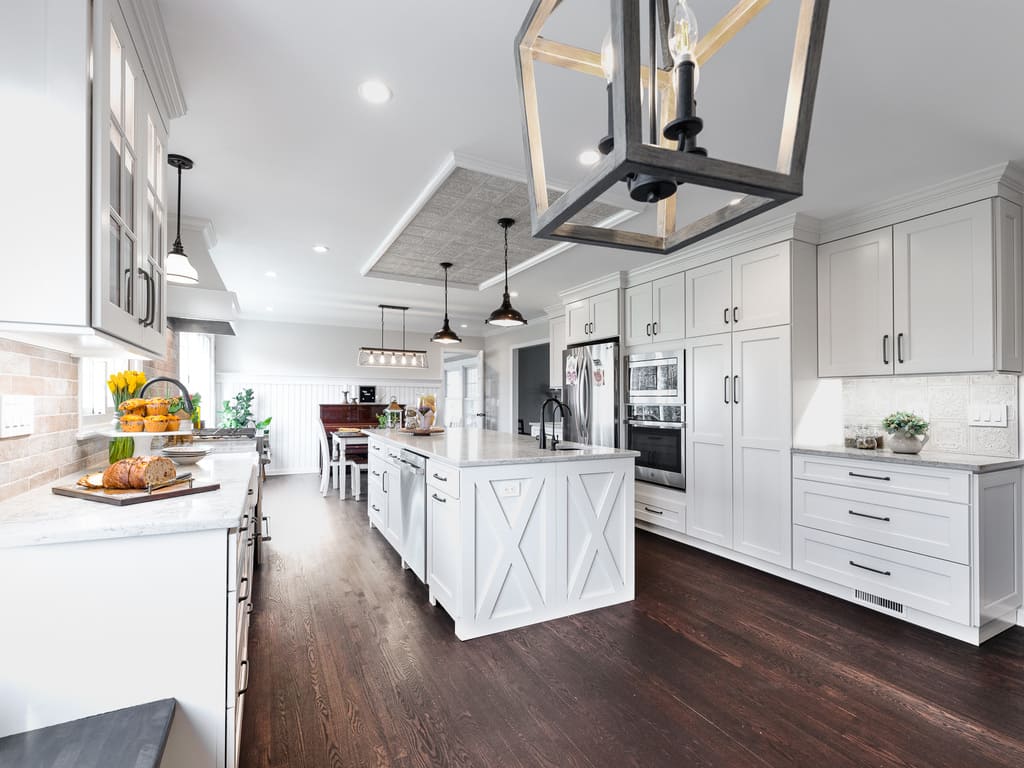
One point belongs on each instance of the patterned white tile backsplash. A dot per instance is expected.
(945, 401)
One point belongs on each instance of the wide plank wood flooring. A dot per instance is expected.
(713, 664)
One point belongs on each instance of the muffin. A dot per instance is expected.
(155, 423)
(132, 422)
(157, 406)
(135, 405)
(171, 423)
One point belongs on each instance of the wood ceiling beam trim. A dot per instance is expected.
(581, 60)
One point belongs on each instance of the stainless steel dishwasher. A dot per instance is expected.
(413, 480)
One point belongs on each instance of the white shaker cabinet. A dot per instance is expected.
(855, 309)
(592, 318)
(709, 299)
(655, 311)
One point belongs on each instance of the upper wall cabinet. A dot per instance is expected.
(954, 279)
(748, 291)
(654, 311)
(592, 319)
(93, 215)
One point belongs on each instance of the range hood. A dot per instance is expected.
(201, 310)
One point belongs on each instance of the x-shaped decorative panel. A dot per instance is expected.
(592, 502)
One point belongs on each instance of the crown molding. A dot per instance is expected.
(1001, 180)
(593, 287)
(204, 227)
(146, 27)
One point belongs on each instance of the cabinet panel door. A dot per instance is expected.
(709, 438)
(855, 323)
(393, 507)
(639, 314)
(760, 288)
(577, 321)
(604, 315)
(943, 291)
(669, 308)
(1010, 287)
(444, 550)
(709, 299)
(153, 240)
(762, 429)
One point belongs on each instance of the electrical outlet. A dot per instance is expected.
(15, 415)
(509, 488)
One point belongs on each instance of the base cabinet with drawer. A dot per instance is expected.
(937, 547)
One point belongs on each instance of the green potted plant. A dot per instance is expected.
(238, 413)
(904, 430)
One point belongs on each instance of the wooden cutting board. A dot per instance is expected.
(431, 431)
(122, 498)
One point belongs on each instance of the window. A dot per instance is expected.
(196, 364)
(95, 404)
(453, 396)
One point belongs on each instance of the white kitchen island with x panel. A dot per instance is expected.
(515, 534)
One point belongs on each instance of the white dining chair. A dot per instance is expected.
(331, 469)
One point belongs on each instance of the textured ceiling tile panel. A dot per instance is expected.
(459, 223)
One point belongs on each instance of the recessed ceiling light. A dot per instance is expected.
(270, 309)
(375, 92)
(589, 157)
(736, 201)
(513, 294)
(270, 274)
(320, 248)
(464, 325)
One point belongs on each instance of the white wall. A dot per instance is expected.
(498, 384)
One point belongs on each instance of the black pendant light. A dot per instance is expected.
(446, 335)
(506, 315)
(179, 269)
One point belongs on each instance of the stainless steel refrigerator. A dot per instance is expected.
(590, 387)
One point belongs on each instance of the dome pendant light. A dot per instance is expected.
(506, 315)
(446, 335)
(179, 269)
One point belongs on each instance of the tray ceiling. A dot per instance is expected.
(459, 223)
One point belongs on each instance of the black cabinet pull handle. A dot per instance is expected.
(375, 473)
(438, 498)
(648, 329)
(655, 327)
(868, 568)
(736, 389)
(375, 508)
(885, 349)
(128, 297)
(725, 390)
(438, 477)
(734, 311)
(653, 511)
(725, 315)
(899, 347)
(870, 517)
(869, 477)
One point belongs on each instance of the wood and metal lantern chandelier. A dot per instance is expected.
(391, 357)
(656, 165)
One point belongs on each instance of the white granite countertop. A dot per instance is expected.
(926, 458)
(42, 517)
(484, 447)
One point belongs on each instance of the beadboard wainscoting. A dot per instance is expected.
(946, 402)
(294, 405)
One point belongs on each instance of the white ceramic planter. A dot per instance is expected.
(902, 443)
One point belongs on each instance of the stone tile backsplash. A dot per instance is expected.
(945, 401)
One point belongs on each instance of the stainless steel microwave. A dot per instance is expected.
(655, 377)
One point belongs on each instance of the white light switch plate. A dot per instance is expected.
(509, 488)
(988, 416)
(15, 415)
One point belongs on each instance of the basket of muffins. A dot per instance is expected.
(153, 414)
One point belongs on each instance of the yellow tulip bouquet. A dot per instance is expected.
(123, 386)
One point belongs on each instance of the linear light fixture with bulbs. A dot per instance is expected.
(391, 357)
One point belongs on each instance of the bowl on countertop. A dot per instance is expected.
(183, 455)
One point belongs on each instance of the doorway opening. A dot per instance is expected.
(531, 376)
(462, 389)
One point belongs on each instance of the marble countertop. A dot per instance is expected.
(42, 517)
(484, 447)
(926, 458)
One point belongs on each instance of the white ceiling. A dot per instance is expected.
(288, 155)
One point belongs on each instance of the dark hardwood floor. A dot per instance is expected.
(714, 664)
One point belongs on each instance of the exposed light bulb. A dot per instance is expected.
(682, 40)
(375, 92)
(415, 360)
(394, 359)
(607, 57)
(404, 361)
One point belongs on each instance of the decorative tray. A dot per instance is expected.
(431, 431)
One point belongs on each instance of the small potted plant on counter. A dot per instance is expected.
(904, 429)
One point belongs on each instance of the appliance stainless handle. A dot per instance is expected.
(870, 517)
(266, 527)
(248, 589)
(899, 347)
(725, 315)
(869, 477)
(734, 311)
(435, 497)
(736, 389)
(869, 568)
(648, 329)
(655, 326)
(653, 511)
(725, 389)
(384, 482)
(245, 686)
(438, 477)
(657, 424)
(885, 349)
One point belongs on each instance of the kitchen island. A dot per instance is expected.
(512, 534)
(107, 607)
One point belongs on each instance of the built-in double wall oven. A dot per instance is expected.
(655, 416)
